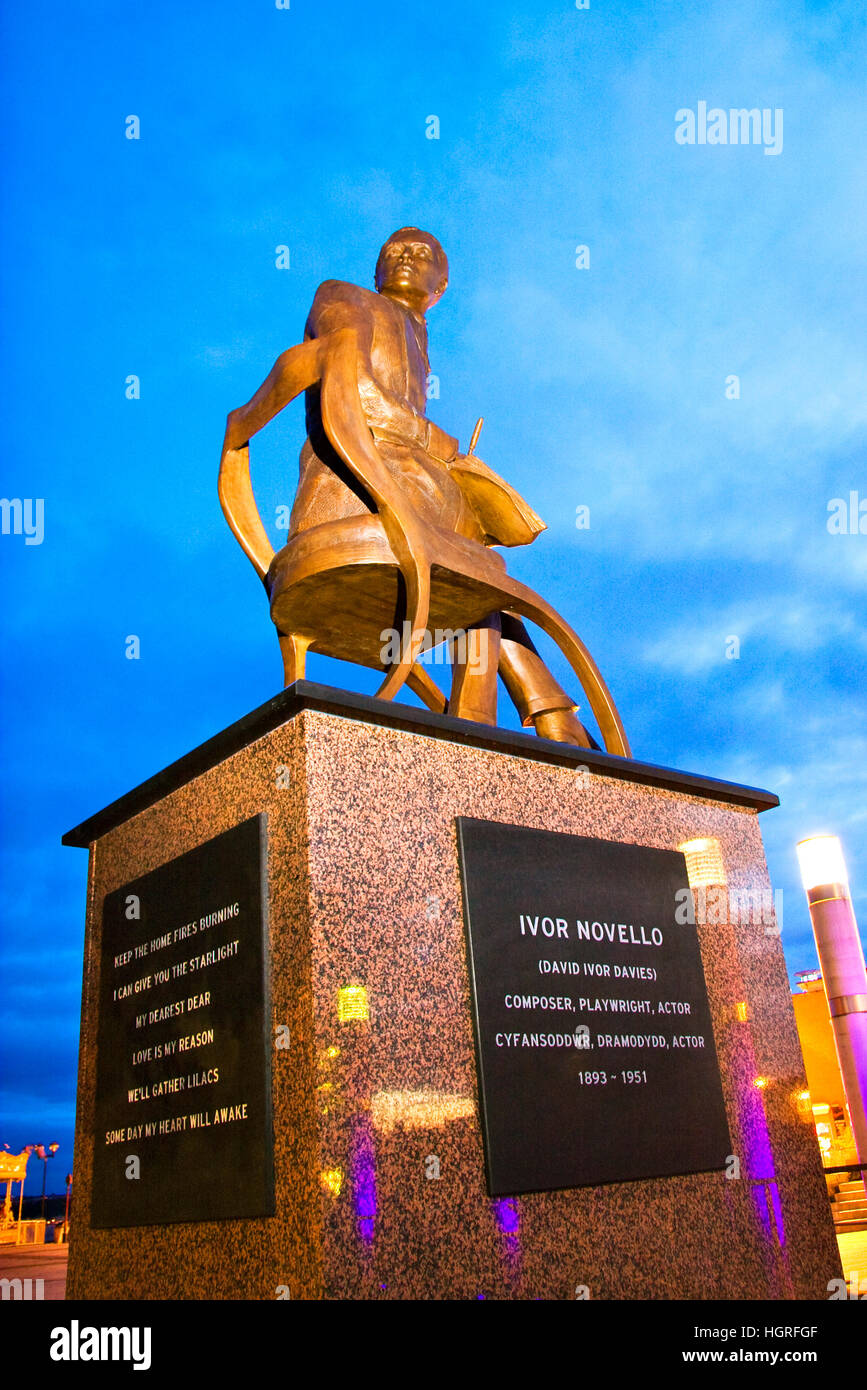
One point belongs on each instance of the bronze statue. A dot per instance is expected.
(392, 527)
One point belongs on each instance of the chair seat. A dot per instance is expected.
(338, 586)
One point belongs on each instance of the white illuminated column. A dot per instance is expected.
(841, 957)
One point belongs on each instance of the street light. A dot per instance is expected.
(41, 1152)
(66, 1216)
(823, 871)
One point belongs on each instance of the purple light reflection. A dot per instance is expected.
(363, 1171)
(758, 1155)
(506, 1214)
(508, 1219)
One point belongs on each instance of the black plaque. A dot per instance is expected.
(183, 1088)
(574, 941)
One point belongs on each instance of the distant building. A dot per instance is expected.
(826, 1100)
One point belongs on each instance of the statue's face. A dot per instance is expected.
(412, 268)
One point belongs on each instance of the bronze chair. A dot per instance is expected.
(336, 587)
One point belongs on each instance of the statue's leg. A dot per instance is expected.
(474, 679)
(539, 699)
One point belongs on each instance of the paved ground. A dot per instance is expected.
(46, 1262)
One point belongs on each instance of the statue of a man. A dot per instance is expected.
(453, 491)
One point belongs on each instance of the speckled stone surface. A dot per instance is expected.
(364, 889)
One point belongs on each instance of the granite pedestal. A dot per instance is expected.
(379, 1167)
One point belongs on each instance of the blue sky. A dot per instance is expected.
(602, 387)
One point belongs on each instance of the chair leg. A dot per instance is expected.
(474, 682)
(294, 652)
(427, 690)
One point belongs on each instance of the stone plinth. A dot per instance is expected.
(364, 889)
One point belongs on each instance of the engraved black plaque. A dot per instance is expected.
(594, 1044)
(183, 1089)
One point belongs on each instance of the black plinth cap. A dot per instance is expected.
(307, 695)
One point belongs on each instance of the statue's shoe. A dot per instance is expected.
(564, 727)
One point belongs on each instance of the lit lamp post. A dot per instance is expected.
(43, 1153)
(823, 871)
(66, 1215)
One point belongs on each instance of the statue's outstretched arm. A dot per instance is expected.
(278, 389)
(294, 370)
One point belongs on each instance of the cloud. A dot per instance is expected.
(794, 627)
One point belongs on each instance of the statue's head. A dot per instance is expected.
(412, 268)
